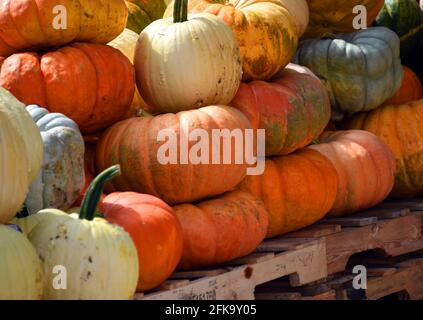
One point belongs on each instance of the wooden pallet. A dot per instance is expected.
(315, 253)
(402, 280)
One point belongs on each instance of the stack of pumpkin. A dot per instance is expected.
(225, 66)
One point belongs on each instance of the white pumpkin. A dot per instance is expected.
(61, 179)
(21, 276)
(21, 154)
(99, 258)
(188, 64)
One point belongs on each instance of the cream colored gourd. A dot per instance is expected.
(100, 258)
(21, 276)
(187, 62)
(300, 12)
(21, 154)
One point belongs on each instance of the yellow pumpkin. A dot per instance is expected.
(21, 154)
(99, 258)
(21, 275)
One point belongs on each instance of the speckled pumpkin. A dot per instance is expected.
(330, 17)
(266, 31)
(297, 190)
(92, 84)
(62, 175)
(293, 109)
(400, 127)
(29, 24)
(361, 70)
(221, 229)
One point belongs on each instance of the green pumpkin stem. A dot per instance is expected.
(180, 11)
(94, 192)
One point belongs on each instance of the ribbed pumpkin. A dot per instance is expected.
(361, 70)
(144, 12)
(62, 176)
(126, 43)
(297, 190)
(400, 127)
(92, 84)
(134, 144)
(221, 229)
(266, 31)
(21, 275)
(156, 232)
(410, 90)
(330, 17)
(365, 166)
(187, 63)
(293, 109)
(21, 154)
(28, 24)
(405, 18)
(100, 258)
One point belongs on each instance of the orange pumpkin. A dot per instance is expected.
(293, 109)
(92, 84)
(265, 30)
(410, 90)
(297, 190)
(29, 24)
(221, 229)
(155, 230)
(400, 126)
(134, 145)
(365, 166)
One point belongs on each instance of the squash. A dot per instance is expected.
(100, 258)
(399, 126)
(156, 232)
(21, 154)
(410, 90)
(126, 43)
(221, 229)
(28, 24)
(266, 31)
(206, 48)
(155, 159)
(405, 18)
(365, 167)
(21, 275)
(331, 17)
(143, 12)
(62, 176)
(293, 109)
(298, 190)
(98, 79)
(361, 70)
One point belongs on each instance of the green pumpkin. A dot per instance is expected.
(405, 18)
(361, 70)
(143, 12)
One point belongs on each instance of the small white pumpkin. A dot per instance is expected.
(184, 63)
(21, 276)
(21, 154)
(100, 258)
(62, 177)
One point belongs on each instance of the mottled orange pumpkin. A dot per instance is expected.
(330, 17)
(92, 84)
(221, 229)
(365, 166)
(265, 30)
(410, 90)
(400, 126)
(293, 109)
(134, 144)
(297, 190)
(29, 24)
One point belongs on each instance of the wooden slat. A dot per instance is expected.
(173, 284)
(414, 205)
(197, 274)
(380, 272)
(351, 221)
(316, 231)
(278, 296)
(251, 259)
(285, 244)
(384, 213)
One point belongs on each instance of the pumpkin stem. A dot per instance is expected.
(180, 11)
(93, 194)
